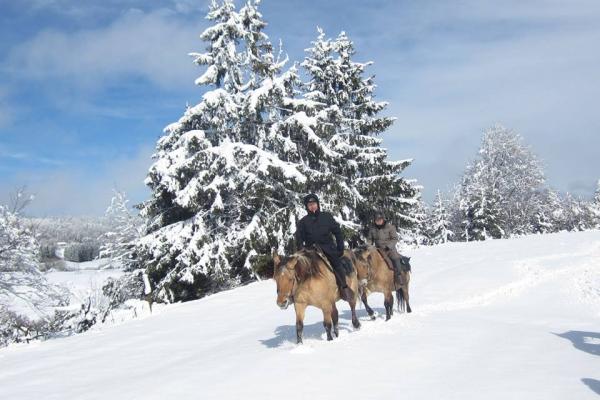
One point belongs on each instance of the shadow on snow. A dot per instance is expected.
(588, 342)
(287, 333)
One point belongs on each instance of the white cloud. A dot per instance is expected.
(67, 191)
(151, 45)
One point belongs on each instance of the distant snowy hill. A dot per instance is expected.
(505, 319)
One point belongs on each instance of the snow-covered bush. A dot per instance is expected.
(118, 290)
(125, 228)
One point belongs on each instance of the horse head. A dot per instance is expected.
(284, 274)
(362, 260)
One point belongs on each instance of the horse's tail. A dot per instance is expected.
(400, 299)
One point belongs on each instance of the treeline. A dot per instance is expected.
(502, 194)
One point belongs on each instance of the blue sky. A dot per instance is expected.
(87, 87)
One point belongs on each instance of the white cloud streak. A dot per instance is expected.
(150, 45)
(68, 191)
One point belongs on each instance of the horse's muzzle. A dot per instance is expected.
(284, 304)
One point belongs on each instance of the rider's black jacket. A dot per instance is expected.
(320, 228)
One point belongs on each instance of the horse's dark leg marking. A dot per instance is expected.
(300, 308)
(370, 311)
(299, 329)
(327, 323)
(389, 305)
(335, 320)
(355, 321)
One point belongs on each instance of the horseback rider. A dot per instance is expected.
(317, 228)
(385, 237)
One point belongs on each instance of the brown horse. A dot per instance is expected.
(374, 275)
(304, 279)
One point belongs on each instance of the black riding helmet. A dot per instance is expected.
(311, 197)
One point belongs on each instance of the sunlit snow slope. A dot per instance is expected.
(505, 319)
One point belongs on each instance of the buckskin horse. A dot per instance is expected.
(375, 275)
(305, 279)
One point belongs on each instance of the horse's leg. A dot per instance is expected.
(388, 302)
(327, 322)
(335, 320)
(355, 321)
(300, 308)
(370, 311)
(405, 290)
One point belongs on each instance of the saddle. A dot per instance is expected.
(404, 261)
(346, 262)
(404, 267)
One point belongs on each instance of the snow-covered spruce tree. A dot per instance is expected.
(439, 224)
(225, 181)
(339, 122)
(125, 228)
(499, 192)
(577, 214)
(549, 216)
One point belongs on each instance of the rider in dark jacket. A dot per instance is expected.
(318, 228)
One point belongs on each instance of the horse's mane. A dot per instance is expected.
(361, 248)
(359, 251)
(307, 265)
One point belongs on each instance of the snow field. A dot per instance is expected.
(499, 319)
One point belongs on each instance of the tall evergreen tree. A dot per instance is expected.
(221, 181)
(353, 173)
(499, 193)
(439, 221)
(229, 176)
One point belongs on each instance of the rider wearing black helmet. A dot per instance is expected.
(318, 228)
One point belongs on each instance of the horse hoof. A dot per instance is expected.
(388, 318)
(373, 318)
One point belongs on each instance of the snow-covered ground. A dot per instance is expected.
(83, 279)
(509, 319)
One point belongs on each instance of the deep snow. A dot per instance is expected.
(505, 319)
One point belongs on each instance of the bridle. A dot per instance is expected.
(294, 284)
